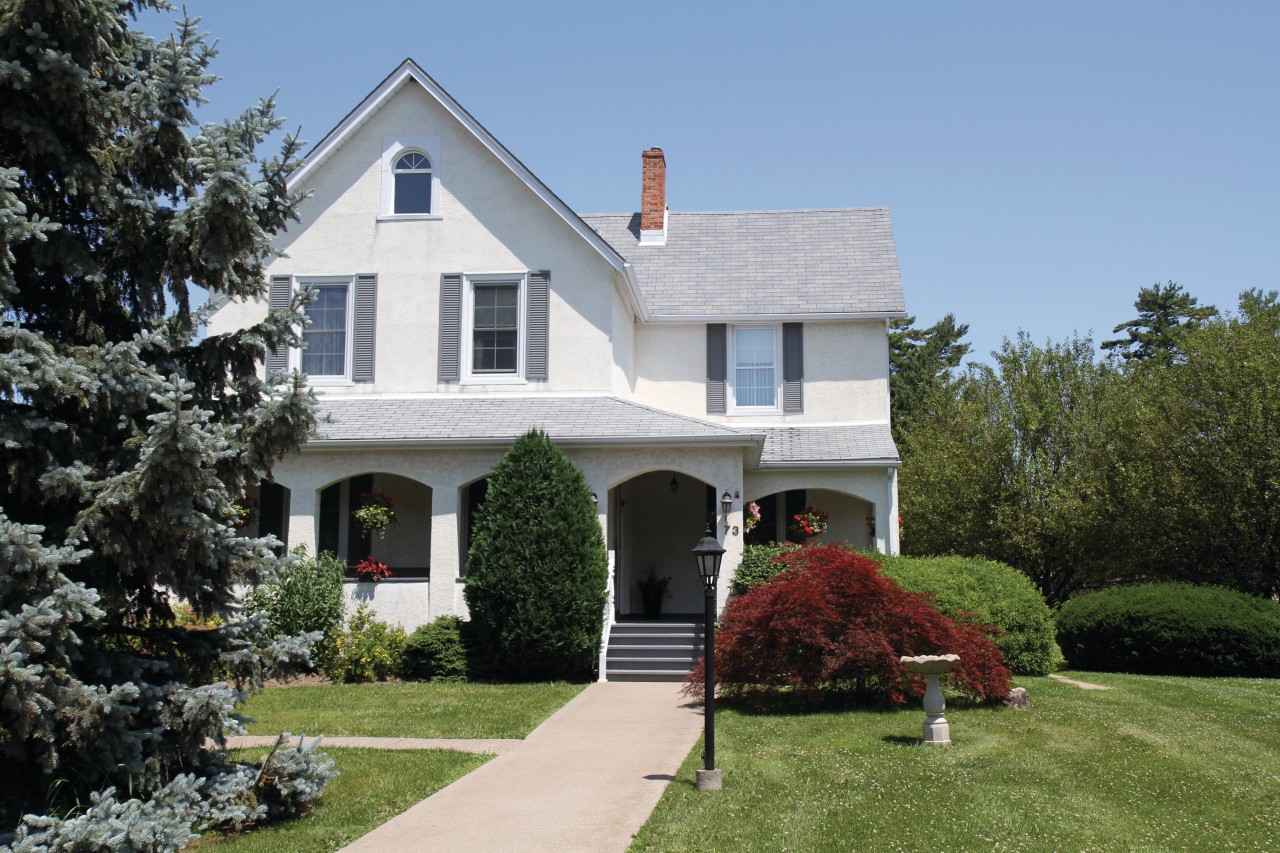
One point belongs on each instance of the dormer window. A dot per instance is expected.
(410, 178)
(412, 183)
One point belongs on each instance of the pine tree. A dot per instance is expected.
(537, 566)
(1165, 314)
(124, 441)
(920, 359)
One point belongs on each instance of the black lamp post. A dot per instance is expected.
(707, 553)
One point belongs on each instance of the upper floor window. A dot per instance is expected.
(410, 177)
(412, 183)
(755, 367)
(327, 335)
(495, 318)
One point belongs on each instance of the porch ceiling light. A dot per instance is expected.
(707, 553)
(674, 484)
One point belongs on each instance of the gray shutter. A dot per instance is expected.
(717, 353)
(535, 364)
(278, 297)
(793, 367)
(450, 362)
(366, 315)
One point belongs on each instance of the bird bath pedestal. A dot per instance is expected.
(936, 730)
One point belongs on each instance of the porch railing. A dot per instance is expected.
(608, 621)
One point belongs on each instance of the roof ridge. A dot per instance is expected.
(874, 208)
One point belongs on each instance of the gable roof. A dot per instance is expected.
(407, 72)
(815, 264)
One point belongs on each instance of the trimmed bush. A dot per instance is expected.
(537, 566)
(997, 594)
(436, 652)
(831, 627)
(759, 565)
(1172, 629)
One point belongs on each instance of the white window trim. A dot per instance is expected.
(731, 360)
(295, 355)
(392, 148)
(468, 331)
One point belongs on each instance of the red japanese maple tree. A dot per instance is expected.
(830, 625)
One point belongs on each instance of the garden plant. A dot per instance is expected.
(831, 628)
(536, 569)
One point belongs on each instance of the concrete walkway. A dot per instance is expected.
(483, 746)
(586, 780)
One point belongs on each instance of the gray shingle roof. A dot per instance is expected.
(856, 442)
(459, 419)
(763, 262)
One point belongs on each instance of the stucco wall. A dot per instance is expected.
(846, 367)
(490, 223)
(447, 472)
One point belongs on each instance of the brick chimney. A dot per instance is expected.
(653, 198)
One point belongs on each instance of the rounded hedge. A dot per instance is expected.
(996, 593)
(1172, 629)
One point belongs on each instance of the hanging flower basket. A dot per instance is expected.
(811, 522)
(751, 515)
(377, 512)
(245, 511)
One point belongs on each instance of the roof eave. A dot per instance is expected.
(808, 317)
(819, 464)
(739, 440)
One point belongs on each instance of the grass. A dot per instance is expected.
(1152, 764)
(374, 787)
(407, 710)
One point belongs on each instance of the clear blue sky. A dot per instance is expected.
(1041, 161)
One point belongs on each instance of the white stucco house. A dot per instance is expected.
(676, 357)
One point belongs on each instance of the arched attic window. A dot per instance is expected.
(412, 172)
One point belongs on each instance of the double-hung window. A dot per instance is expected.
(326, 356)
(493, 316)
(754, 378)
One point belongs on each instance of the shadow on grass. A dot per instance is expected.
(902, 740)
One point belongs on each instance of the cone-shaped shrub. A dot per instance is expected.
(831, 626)
(537, 565)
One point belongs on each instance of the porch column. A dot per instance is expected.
(445, 553)
(891, 529)
(302, 513)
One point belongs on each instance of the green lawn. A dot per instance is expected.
(374, 787)
(1153, 764)
(407, 710)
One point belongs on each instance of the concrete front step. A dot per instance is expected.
(652, 651)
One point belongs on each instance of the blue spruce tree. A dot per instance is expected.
(125, 442)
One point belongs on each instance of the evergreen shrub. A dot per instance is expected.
(368, 650)
(537, 566)
(439, 652)
(305, 597)
(831, 627)
(758, 566)
(995, 593)
(1172, 629)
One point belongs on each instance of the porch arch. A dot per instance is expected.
(655, 517)
(405, 546)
